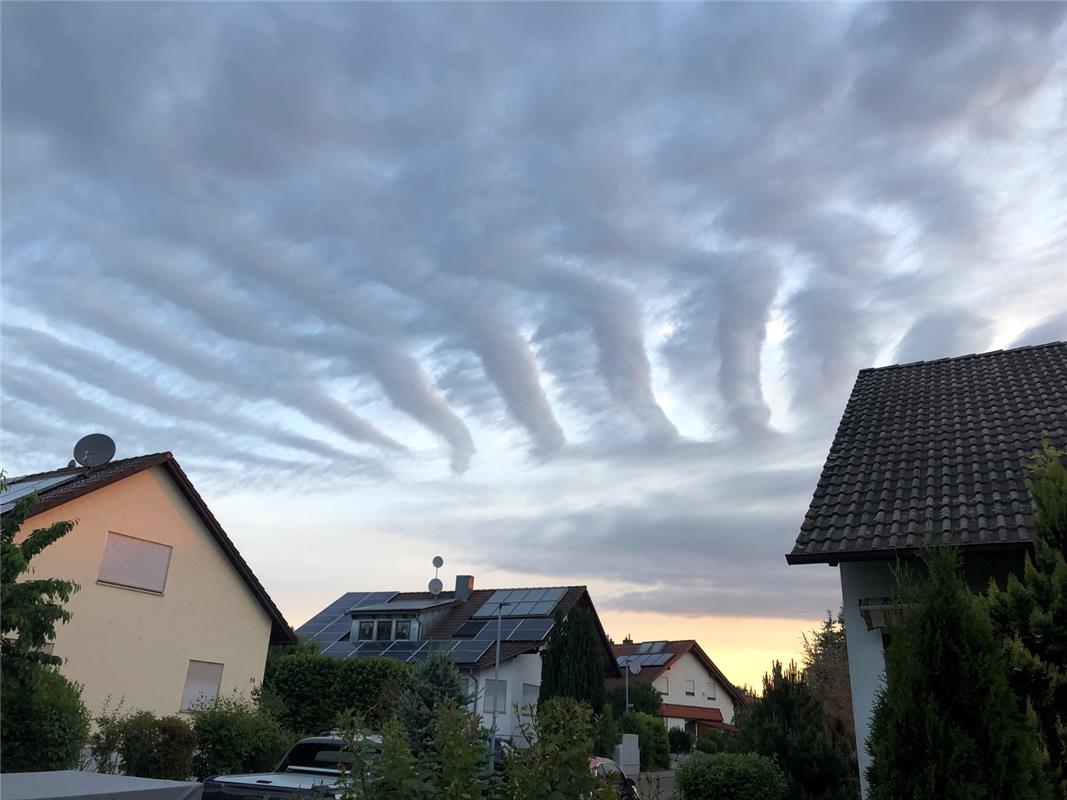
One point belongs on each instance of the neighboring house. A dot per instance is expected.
(410, 626)
(168, 612)
(933, 451)
(696, 695)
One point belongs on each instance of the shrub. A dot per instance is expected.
(235, 736)
(311, 689)
(608, 733)
(155, 748)
(652, 739)
(573, 660)
(106, 741)
(730, 776)
(556, 761)
(45, 723)
(644, 697)
(714, 741)
(681, 740)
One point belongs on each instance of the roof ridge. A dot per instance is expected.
(80, 469)
(1058, 343)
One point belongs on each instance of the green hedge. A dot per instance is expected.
(653, 743)
(730, 776)
(43, 723)
(235, 736)
(681, 740)
(156, 747)
(312, 689)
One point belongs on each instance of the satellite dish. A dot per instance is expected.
(438, 562)
(635, 669)
(435, 586)
(94, 450)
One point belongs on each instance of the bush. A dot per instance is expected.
(681, 740)
(235, 736)
(608, 733)
(730, 776)
(652, 739)
(714, 741)
(45, 724)
(431, 684)
(156, 748)
(311, 688)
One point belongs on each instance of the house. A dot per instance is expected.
(462, 624)
(933, 451)
(696, 695)
(167, 612)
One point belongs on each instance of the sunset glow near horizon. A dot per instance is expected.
(565, 293)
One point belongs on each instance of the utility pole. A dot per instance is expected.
(496, 682)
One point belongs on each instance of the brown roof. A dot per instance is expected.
(677, 649)
(691, 712)
(89, 480)
(937, 449)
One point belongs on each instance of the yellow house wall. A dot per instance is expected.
(135, 645)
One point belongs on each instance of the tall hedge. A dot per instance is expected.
(573, 661)
(731, 776)
(312, 689)
(45, 723)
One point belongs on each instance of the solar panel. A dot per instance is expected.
(341, 649)
(407, 647)
(441, 645)
(531, 630)
(16, 491)
(657, 647)
(467, 652)
(522, 602)
(374, 648)
(333, 632)
(334, 612)
(507, 627)
(469, 629)
(373, 598)
(660, 659)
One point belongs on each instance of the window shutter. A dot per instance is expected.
(135, 563)
(202, 683)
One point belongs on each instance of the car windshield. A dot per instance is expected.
(317, 755)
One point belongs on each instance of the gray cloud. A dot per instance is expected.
(282, 240)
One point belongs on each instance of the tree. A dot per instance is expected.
(644, 697)
(1031, 612)
(788, 724)
(573, 664)
(431, 684)
(29, 609)
(947, 725)
(826, 672)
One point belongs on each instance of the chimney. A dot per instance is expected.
(627, 640)
(464, 586)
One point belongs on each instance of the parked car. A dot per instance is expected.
(310, 769)
(606, 768)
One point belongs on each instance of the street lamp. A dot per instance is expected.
(496, 681)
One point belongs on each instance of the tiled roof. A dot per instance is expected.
(690, 713)
(937, 449)
(677, 649)
(89, 480)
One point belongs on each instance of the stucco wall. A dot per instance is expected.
(516, 671)
(135, 645)
(672, 685)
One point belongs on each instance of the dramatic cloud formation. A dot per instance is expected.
(569, 290)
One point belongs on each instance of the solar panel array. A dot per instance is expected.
(522, 602)
(651, 647)
(459, 651)
(16, 491)
(333, 622)
(645, 659)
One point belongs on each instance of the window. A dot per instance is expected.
(385, 630)
(530, 693)
(496, 697)
(690, 688)
(134, 563)
(201, 684)
(666, 690)
(711, 691)
(366, 630)
(403, 629)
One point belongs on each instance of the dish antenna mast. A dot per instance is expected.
(436, 586)
(94, 450)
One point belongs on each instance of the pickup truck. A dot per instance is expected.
(311, 768)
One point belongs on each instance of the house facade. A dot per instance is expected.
(168, 613)
(463, 625)
(696, 695)
(929, 452)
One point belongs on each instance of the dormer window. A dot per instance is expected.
(403, 629)
(366, 630)
(385, 630)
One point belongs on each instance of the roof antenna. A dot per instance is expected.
(94, 450)
(436, 586)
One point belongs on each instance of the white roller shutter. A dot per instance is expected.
(202, 683)
(135, 563)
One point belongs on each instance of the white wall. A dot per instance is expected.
(672, 684)
(524, 669)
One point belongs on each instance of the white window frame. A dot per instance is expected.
(396, 630)
(130, 587)
(690, 687)
(373, 628)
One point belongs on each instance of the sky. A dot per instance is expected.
(564, 293)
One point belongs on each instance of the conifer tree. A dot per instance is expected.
(947, 725)
(1031, 613)
(431, 685)
(788, 723)
(573, 661)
